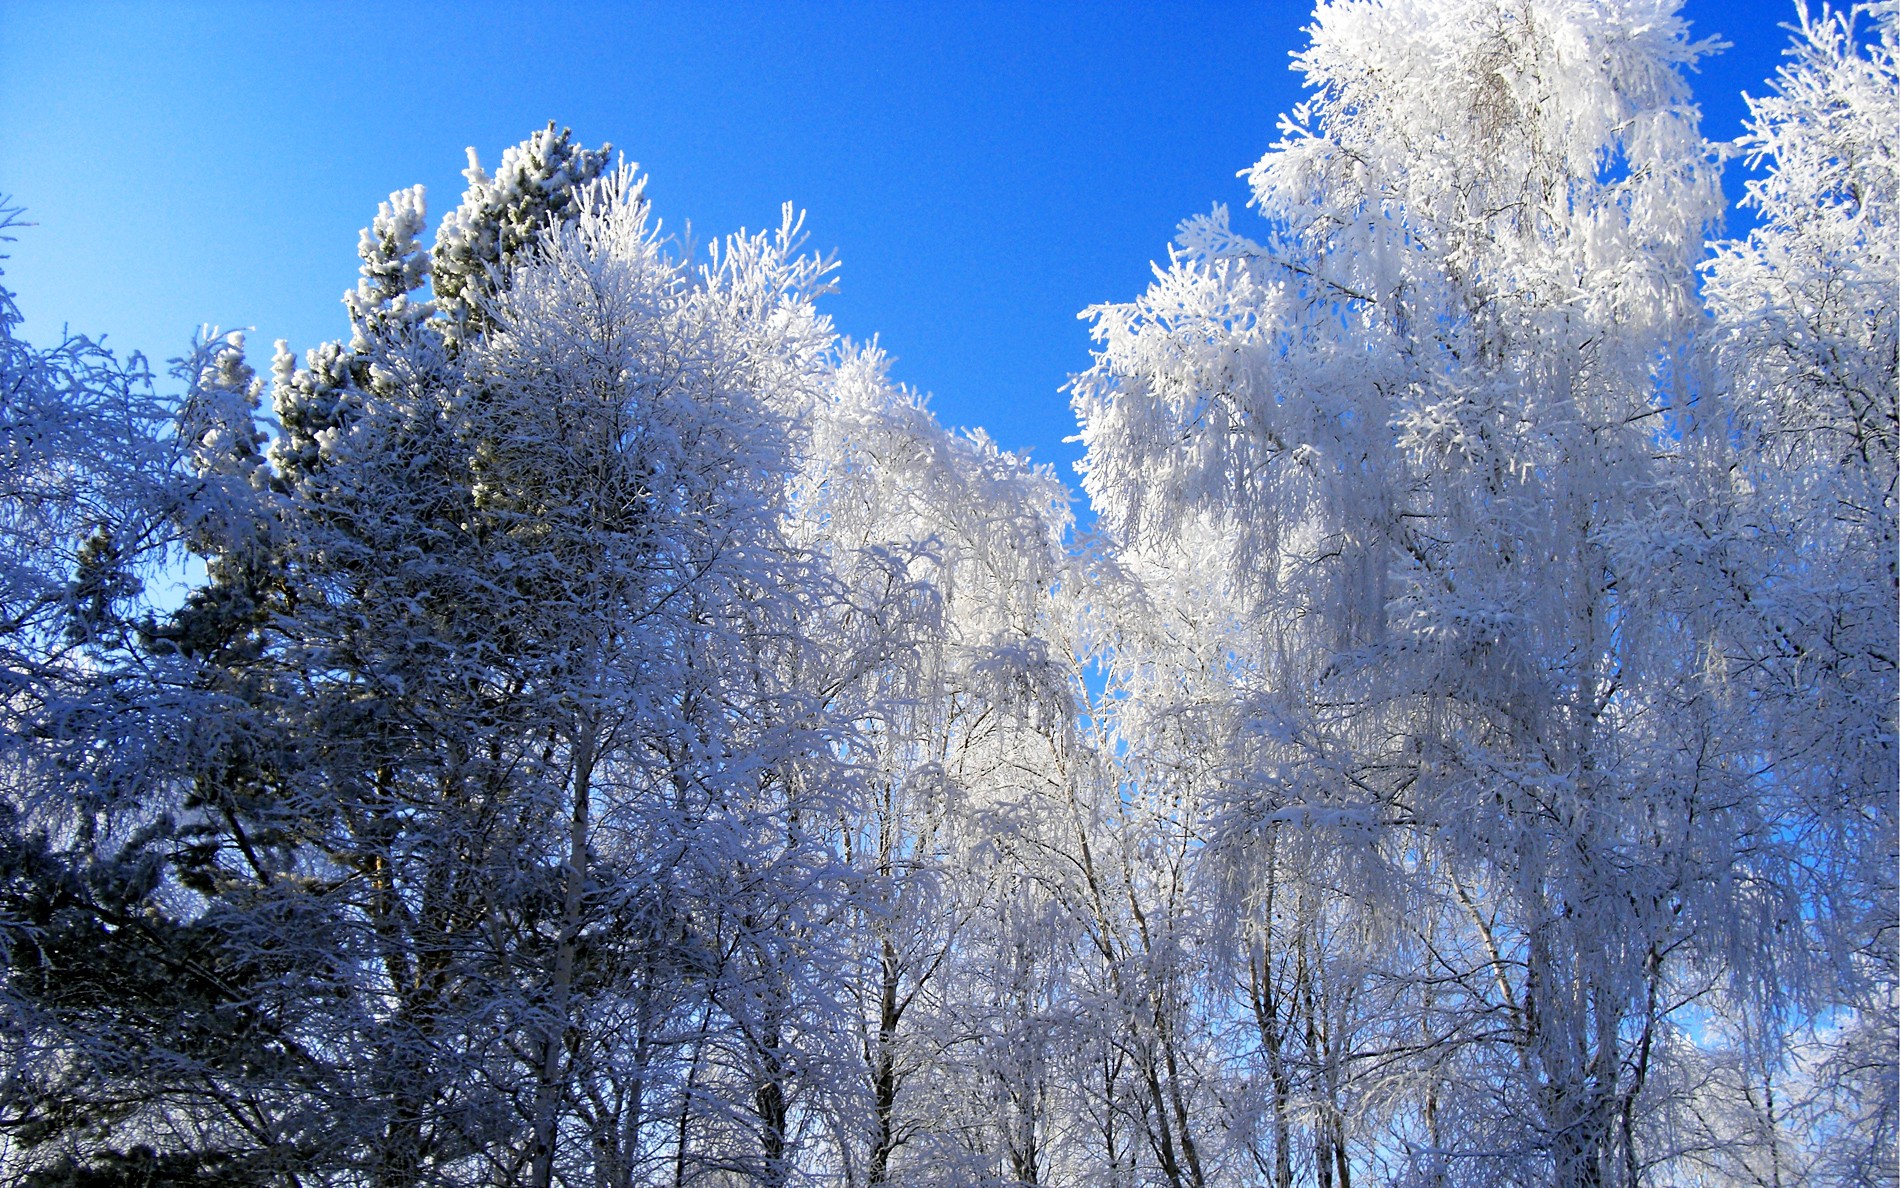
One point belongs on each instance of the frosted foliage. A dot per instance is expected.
(676, 420)
(1470, 183)
(316, 403)
(609, 733)
(310, 403)
(971, 522)
(495, 774)
(1393, 477)
(629, 455)
(90, 488)
(947, 649)
(394, 266)
(82, 456)
(1807, 325)
(1807, 299)
(500, 214)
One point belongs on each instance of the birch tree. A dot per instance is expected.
(1806, 331)
(948, 653)
(1426, 434)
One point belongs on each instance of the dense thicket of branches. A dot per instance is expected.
(596, 729)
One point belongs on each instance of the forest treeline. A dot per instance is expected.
(590, 726)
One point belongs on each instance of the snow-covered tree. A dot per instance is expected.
(496, 782)
(92, 738)
(1398, 474)
(949, 652)
(610, 733)
(1807, 335)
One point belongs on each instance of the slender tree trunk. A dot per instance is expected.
(1266, 1000)
(773, 1108)
(1177, 1100)
(549, 1092)
(884, 1080)
(683, 1122)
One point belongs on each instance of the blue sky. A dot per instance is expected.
(983, 172)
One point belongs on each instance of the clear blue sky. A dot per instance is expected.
(982, 171)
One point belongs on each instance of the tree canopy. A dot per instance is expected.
(589, 725)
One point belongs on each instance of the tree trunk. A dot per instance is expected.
(551, 1089)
